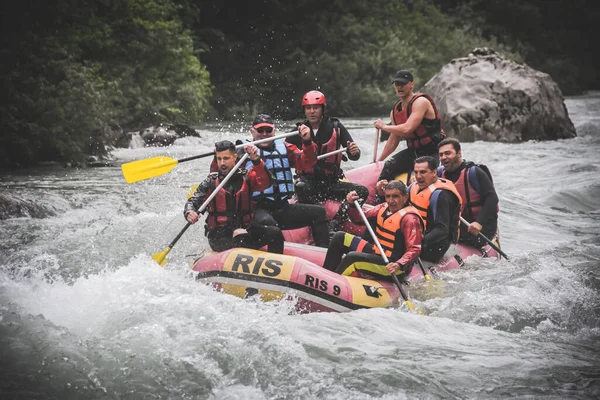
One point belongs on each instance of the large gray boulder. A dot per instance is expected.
(487, 97)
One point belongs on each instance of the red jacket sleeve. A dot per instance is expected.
(413, 236)
(259, 177)
(302, 160)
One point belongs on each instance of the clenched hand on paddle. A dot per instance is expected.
(387, 261)
(140, 170)
(161, 258)
(488, 240)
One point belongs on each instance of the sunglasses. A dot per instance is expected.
(264, 130)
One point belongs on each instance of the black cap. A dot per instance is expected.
(262, 120)
(403, 76)
(224, 145)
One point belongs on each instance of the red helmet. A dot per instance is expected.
(314, 97)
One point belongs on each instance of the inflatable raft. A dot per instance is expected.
(298, 275)
(366, 175)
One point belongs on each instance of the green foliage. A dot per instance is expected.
(72, 71)
(348, 49)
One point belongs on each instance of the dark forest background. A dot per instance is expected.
(74, 70)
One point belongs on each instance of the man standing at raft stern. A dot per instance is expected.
(414, 118)
(476, 188)
(322, 181)
(399, 230)
(439, 204)
(230, 221)
(271, 205)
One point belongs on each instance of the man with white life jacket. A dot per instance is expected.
(438, 203)
(476, 188)
(272, 205)
(230, 221)
(416, 119)
(322, 181)
(398, 228)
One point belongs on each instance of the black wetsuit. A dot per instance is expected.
(488, 217)
(317, 186)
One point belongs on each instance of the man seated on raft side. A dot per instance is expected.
(230, 221)
(322, 182)
(272, 205)
(398, 228)
(438, 203)
(416, 119)
(474, 184)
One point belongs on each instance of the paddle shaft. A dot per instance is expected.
(387, 261)
(377, 133)
(343, 149)
(464, 221)
(229, 175)
(208, 200)
(423, 268)
(239, 146)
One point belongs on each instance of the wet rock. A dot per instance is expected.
(158, 136)
(487, 97)
(12, 206)
(161, 135)
(183, 130)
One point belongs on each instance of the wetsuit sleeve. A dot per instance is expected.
(194, 202)
(345, 138)
(259, 176)
(488, 195)
(441, 225)
(413, 236)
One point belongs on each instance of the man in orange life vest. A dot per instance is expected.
(398, 228)
(272, 206)
(475, 186)
(230, 215)
(439, 204)
(414, 118)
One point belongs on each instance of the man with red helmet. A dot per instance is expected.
(322, 181)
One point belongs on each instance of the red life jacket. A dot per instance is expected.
(230, 210)
(426, 131)
(330, 166)
(467, 185)
(386, 228)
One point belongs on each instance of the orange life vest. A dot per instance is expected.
(421, 201)
(386, 228)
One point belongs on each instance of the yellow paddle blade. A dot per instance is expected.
(149, 168)
(161, 258)
(411, 307)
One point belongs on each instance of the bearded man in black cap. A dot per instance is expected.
(416, 119)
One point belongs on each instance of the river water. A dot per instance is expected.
(85, 313)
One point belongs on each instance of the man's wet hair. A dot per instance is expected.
(396, 185)
(432, 162)
(454, 142)
(224, 145)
